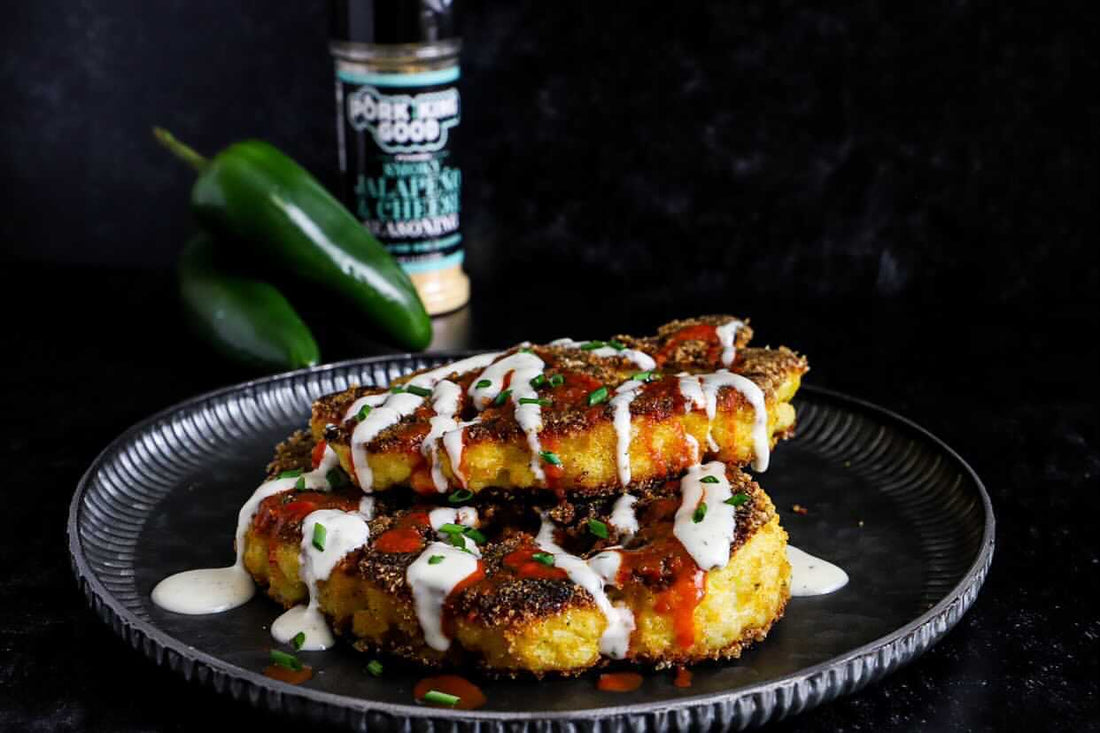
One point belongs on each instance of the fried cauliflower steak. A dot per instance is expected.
(570, 417)
(525, 609)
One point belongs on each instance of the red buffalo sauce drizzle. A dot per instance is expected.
(662, 558)
(448, 612)
(406, 535)
(683, 677)
(619, 681)
(470, 696)
(553, 473)
(522, 563)
(290, 676)
(319, 453)
(698, 332)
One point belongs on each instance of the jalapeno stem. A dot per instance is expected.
(178, 149)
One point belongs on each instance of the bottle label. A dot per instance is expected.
(396, 155)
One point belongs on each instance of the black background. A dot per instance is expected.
(908, 196)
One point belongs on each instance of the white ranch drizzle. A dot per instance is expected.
(432, 583)
(727, 335)
(454, 443)
(345, 532)
(387, 410)
(445, 402)
(524, 367)
(640, 359)
(620, 405)
(214, 590)
(606, 564)
(615, 640)
(812, 576)
(692, 392)
(623, 517)
(708, 540)
(723, 378)
(693, 444)
(465, 515)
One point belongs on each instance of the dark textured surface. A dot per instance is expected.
(906, 520)
(910, 196)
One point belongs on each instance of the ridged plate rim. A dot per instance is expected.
(753, 704)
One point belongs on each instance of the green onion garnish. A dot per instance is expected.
(699, 513)
(475, 535)
(502, 397)
(538, 381)
(457, 539)
(300, 484)
(597, 528)
(375, 667)
(285, 660)
(460, 496)
(591, 345)
(418, 391)
(557, 380)
(441, 698)
(534, 401)
(550, 457)
(597, 396)
(298, 640)
(482, 384)
(397, 389)
(642, 376)
(293, 473)
(435, 559)
(451, 528)
(737, 499)
(363, 412)
(617, 345)
(319, 535)
(525, 350)
(336, 478)
(709, 480)
(544, 557)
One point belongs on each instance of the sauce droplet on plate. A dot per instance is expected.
(683, 677)
(290, 676)
(619, 682)
(470, 696)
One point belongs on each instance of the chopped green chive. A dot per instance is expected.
(538, 381)
(544, 557)
(418, 391)
(375, 667)
(336, 478)
(475, 535)
(592, 345)
(441, 698)
(699, 513)
(534, 401)
(550, 457)
(285, 660)
(557, 380)
(460, 496)
(598, 528)
(451, 528)
(737, 499)
(709, 480)
(502, 397)
(483, 384)
(525, 350)
(319, 536)
(397, 389)
(300, 484)
(642, 376)
(617, 345)
(458, 540)
(298, 640)
(363, 412)
(597, 396)
(295, 473)
(435, 559)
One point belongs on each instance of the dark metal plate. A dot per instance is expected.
(895, 507)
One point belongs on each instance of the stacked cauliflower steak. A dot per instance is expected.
(546, 509)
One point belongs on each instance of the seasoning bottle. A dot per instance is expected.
(398, 109)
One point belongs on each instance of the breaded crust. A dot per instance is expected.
(582, 436)
(511, 622)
